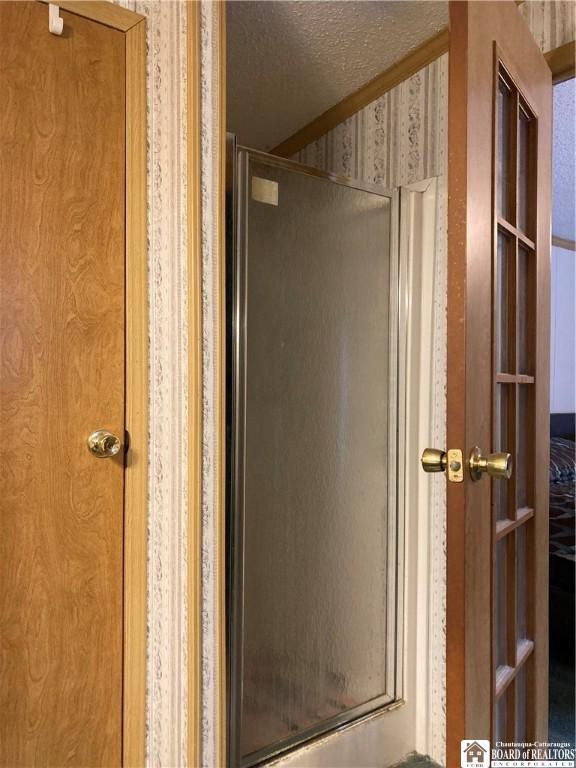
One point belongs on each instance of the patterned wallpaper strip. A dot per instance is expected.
(167, 670)
(436, 727)
(552, 22)
(397, 139)
(167, 673)
(209, 137)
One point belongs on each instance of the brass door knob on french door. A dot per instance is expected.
(103, 444)
(494, 464)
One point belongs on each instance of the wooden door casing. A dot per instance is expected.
(481, 34)
(62, 262)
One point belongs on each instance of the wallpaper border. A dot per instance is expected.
(212, 149)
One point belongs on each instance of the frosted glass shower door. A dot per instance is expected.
(312, 417)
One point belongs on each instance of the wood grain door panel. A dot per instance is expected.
(62, 232)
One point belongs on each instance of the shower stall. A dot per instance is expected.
(314, 522)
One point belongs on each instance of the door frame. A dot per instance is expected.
(133, 26)
(206, 224)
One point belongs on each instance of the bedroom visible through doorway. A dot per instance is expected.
(562, 417)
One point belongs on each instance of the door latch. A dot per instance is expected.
(435, 460)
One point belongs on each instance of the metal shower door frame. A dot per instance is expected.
(237, 197)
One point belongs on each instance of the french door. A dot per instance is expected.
(498, 370)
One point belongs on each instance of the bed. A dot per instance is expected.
(562, 530)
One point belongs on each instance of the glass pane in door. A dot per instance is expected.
(504, 426)
(521, 583)
(504, 304)
(520, 688)
(525, 182)
(525, 301)
(506, 124)
(514, 416)
(524, 467)
(315, 330)
(501, 718)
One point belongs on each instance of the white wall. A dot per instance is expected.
(563, 332)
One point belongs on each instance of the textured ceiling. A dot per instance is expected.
(564, 161)
(289, 61)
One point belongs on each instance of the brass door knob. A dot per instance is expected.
(494, 464)
(433, 460)
(103, 444)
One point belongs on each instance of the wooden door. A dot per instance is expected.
(62, 232)
(498, 331)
